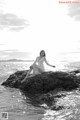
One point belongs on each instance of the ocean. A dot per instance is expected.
(18, 106)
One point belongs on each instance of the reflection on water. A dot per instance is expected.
(13, 102)
(71, 108)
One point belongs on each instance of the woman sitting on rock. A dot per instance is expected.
(38, 66)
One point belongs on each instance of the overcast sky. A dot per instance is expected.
(28, 26)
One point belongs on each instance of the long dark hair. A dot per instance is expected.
(44, 53)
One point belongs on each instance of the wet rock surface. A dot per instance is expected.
(43, 83)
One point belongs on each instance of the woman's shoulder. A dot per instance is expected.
(37, 57)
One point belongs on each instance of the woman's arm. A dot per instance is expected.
(48, 63)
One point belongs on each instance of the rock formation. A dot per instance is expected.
(43, 83)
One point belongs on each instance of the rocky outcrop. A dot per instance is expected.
(43, 83)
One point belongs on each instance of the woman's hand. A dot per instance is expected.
(53, 66)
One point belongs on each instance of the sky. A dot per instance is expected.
(28, 26)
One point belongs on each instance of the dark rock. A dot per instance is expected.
(75, 72)
(42, 83)
(14, 80)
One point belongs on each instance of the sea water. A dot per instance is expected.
(11, 99)
(18, 106)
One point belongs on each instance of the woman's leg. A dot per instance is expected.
(27, 74)
(36, 70)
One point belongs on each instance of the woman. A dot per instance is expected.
(38, 65)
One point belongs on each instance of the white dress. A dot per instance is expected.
(38, 65)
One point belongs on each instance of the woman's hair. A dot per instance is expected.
(41, 52)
